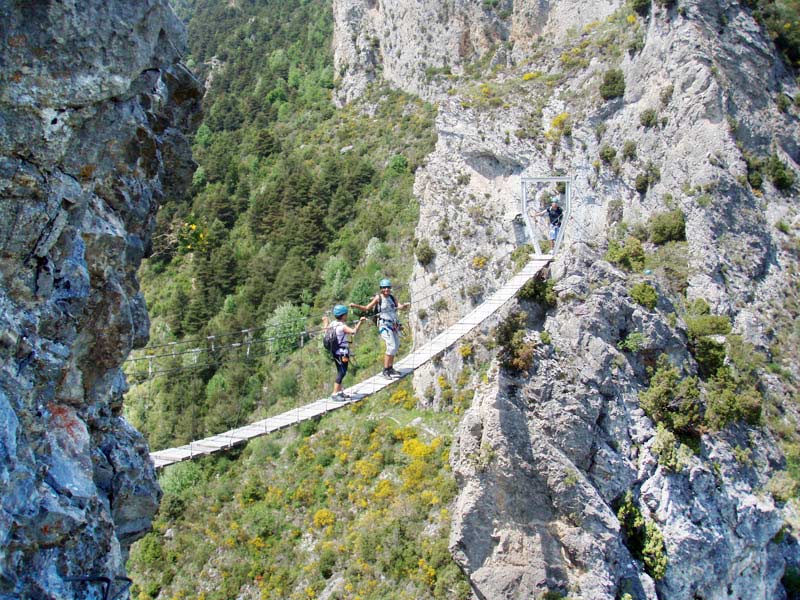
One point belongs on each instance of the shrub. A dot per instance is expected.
(309, 427)
(700, 325)
(641, 7)
(150, 551)
(709, 354)
(479, 262)
(363, 290)
(284, 327)
(699, 307)
(285, 383)
(780, 19)
(629, 256)
(791, 582)
(671, 260)
(323, 518)
(783, 103)
(733, 393)
(516, 354)
(633, 342)
(731, 398)
(560, 121)
(520, 255)
(667, 227)
(607, 154)
(600, 130)
(704, 200)
(439, 305)
(425, 254)
(539, 290)
(755, 167)
(641, 183)
(665, 448)
(782, 487)
(782, 177)
(650, 176)
(474, 290)
(644, 540)
(613, 85)
(398, 165)
(629, 150)
(327, 562)
(649, 118)
(645, 295)
(672, 400)
(561, 125)
(666, 95)
(180, 479)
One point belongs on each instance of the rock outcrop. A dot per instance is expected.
(406, 42)
(94, 104)
(545, 457)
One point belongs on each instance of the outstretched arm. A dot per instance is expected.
(354, 330)
(369, 306)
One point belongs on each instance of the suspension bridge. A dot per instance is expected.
(407, 365)
(359, 391)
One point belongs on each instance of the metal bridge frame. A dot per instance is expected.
(527, 183)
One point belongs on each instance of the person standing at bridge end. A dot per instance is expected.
(555, 214)
(388, 323)
(335, 341)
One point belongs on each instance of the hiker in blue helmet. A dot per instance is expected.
(336, 342)
(388, 324)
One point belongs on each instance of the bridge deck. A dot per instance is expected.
(374, 384)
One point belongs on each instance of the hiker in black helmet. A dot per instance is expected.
(555, 214)
(337, 332)
(388, 325)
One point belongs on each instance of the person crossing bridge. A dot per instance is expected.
(388, 323)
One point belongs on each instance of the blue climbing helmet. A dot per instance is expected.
(385, 283)
(339, 310)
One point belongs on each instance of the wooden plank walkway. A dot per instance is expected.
(408, 364)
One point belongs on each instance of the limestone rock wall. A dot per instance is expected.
(403, 42)
(94, 104)
(544, 457)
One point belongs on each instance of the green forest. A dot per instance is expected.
(294, 206)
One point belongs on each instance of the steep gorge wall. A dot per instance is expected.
(94, 105)
(402, 41)
(544, 457)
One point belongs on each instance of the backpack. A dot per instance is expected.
(330, 341)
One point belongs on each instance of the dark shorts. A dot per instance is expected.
(342, 363)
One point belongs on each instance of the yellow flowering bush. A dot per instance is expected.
(323, 518)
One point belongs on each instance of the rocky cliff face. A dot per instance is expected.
(406, 42)
(94, 104)
(545, 456)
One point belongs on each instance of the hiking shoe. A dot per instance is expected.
(392, 373)
(340, 397)
(387, 373)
